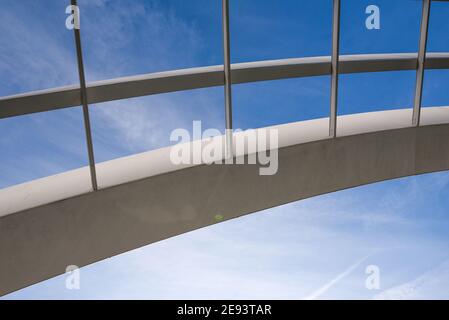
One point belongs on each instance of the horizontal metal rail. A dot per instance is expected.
(203, 77)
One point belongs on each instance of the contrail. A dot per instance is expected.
(334, 281)
(411, 288)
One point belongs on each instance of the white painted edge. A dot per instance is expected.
(155, 162)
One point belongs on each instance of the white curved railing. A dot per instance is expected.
(203, 77)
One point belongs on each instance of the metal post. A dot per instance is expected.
(227, 75)
(334, 65)
(83, 91)
(421, 62)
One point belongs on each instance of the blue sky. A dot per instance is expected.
(293, 251)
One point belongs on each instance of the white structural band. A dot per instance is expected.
(144, 198)
(203, 77)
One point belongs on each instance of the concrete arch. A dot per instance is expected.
(50, 223)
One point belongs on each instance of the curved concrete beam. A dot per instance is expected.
(203, 77)
(48, 224)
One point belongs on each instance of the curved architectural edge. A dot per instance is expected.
(40, 242)
(203, 77)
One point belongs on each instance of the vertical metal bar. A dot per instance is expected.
(227, 75)
(90, 149)
(421, 60)
(334, 65)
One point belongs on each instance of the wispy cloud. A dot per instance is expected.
(282, 253)
(38, 52)
(147, 36)
(34, 55)
(322, 290)
(430, 285)
(285, 252)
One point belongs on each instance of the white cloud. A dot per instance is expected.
(286, 252)
(432, 284)
(142, 38)
(322, 290)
